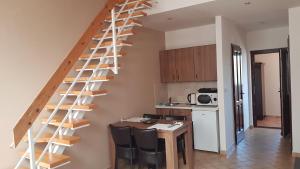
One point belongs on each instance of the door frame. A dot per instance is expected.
(267, 51)
(240, 137)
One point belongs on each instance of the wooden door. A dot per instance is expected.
(237, 93)
(167, 66)
(285, 92)
(258, 113)
(210, 63)
(185, 70)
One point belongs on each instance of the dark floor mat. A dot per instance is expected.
(297, 163)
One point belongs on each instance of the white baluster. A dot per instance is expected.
(31, 149)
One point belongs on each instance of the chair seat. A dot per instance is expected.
(126, 152)
(151, 157)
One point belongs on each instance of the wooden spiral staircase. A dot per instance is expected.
(92, 61)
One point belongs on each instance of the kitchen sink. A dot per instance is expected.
(172, 104)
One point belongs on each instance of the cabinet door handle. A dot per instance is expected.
(196, 76)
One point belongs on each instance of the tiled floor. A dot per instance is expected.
(261, 149)
(270, 121)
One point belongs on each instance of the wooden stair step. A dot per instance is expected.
(71, 124)
(94, 66)
(59, 140)
(109, 43)
(121, 2)
(85, 93)
(129, 32)
(86, 107)
(86, 56)
(141, 6)
(130, 23)
(85, 79)
(122, 16)
(50, 160)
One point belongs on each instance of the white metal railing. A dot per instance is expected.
(30, 151)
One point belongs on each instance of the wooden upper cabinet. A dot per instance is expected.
(189, 64)
(210, 66)
(167, 66)
(185, 69)
(205, 59)
(199, 60)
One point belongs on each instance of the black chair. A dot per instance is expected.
(149, 151)
(153, 116)
(180, 139)
(125, 147)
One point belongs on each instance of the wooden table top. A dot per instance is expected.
(141, 125)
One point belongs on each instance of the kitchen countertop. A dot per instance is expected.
(188, 106)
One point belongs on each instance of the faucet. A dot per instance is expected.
(170, 100)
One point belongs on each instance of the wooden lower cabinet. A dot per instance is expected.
(175, 112)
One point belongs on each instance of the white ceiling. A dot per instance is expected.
(260, 14)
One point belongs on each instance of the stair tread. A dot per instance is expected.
(131, 22)
(85, 79)
(94, 66)
(109, 43)
(142, 5)
(121, 2)
(101, 54)
(86, 107)
(109, 35)
(50, 160)
(126, 15)
(86, 93)
(60, 140)
(72, 124)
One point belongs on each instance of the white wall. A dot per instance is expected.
(226, 34)
(294, 15)
(267, 39)
(271, 83)
(161, 6)
(195, 36)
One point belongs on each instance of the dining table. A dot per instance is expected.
(170, 137)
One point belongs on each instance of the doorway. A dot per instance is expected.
(237, 93)
(271, 89)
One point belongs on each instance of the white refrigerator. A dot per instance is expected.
(206, 130)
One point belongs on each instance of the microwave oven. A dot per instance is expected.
(207, 99)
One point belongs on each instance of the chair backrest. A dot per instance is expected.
(153, 116)
(146, 139)
(121, 135)
(170, 117)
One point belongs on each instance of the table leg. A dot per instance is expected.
(188, 136)
(112, 151)
(171, 152)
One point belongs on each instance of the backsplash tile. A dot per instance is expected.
(179, 91)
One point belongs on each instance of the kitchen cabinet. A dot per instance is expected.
(184, 58)
(164, 112)
(210, 63)
(167, 66)
(182, 112)
(175, 112)
(189, 64)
